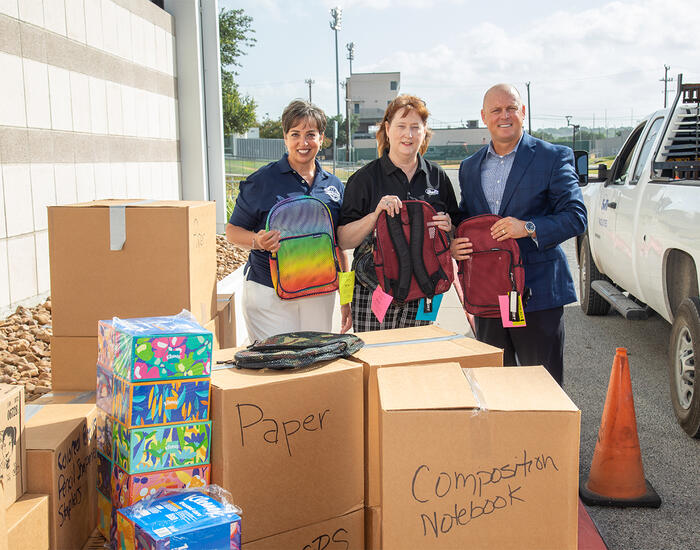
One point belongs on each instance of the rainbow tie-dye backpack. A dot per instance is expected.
(306, 263)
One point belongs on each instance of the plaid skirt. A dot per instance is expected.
(397, 316)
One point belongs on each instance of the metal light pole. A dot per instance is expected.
(666, 80)
(309, 82)
(574, 127)
(337, 15)
(351, 55)
(529, 120)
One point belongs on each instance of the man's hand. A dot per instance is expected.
(508, 228)
(461, 248)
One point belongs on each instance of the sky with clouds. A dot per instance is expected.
(596, 61)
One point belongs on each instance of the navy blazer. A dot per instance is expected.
(542, 187)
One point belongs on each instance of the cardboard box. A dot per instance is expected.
(128, 258)
(140, 450)
(341, 533)
(189, 519)
(212, 326)
(156, 348)
(61, 460)
(3, 523)
(73, 363)
(13, 457)
(127, 489)
(162, 402)
(28, 523)
(287, 445)
(373, 526)
(409, 346)
(226, 321)
(477, 458)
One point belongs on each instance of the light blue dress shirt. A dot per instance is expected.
(495, 170)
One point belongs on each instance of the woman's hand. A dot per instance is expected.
(345, 318)
(391, 204)
(267, 240)
(441, 221)
(461, 248)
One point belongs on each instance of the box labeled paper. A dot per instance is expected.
(158, 403)
(139, 450)
(158, 348)
(477, 458)
(181, 520)
(128, 489)
(409, 346)
(129, 258)
(13, 461)
(288, 445)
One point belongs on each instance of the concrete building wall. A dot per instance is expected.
(88, 110)
(370, 93)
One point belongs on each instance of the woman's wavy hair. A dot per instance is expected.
(406, 103)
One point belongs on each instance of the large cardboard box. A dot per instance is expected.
(73, 362)
(3, 523)
(130, 258)
(477, 458)
(61, 462)
(288, 445)
(341, 533)
(13, 458)
(28, 523)
(409, 346)
(226, 321)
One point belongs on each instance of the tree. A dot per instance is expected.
(342, 128)
(271, 128)
(234, 35)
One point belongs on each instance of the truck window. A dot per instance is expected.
(646, 150)
(624, 158)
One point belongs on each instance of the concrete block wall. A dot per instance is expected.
(88, 110)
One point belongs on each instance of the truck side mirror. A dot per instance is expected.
(581, 164)
(602, 172)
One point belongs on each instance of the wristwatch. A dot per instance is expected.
(530, 228)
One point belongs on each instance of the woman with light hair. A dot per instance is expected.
(400, 173)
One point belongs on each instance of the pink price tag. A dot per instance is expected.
(380, 303)
(505, 313)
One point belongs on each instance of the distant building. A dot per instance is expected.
(368, 94)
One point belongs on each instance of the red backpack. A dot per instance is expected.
(412, 260)
(493, 268)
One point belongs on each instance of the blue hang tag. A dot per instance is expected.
(428, 308)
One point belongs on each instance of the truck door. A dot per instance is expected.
(628, 205)
(612, 259)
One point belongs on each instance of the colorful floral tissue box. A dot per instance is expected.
(104, 475)
(104, 433)
(181, 520)
(139, 450)
(155, 348)
(106, 516)
(162, 402)
(104, 394)
(128, 489)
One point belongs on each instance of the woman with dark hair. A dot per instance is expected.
(400, 173)
(297, 173)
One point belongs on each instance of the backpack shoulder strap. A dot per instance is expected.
(402, 285)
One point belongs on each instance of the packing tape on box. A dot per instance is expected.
(83, 397)
(476, 392)
(417, 341)
(117, 224)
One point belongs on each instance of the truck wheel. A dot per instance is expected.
(684, 365)
(591, 302)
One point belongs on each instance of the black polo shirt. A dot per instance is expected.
(268, 186)
(382, 177)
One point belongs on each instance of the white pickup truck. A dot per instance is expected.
(642, 247)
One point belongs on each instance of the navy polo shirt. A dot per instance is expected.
(268, 186)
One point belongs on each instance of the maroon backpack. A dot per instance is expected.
(493, 268)
(412, 260)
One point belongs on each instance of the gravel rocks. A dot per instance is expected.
(25, 336)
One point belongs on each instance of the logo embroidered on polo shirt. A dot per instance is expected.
(333, 193)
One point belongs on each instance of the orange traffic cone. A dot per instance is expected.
(617, 475)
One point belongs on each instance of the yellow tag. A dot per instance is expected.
(346, 286)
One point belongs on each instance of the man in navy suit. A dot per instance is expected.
(533, 186)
